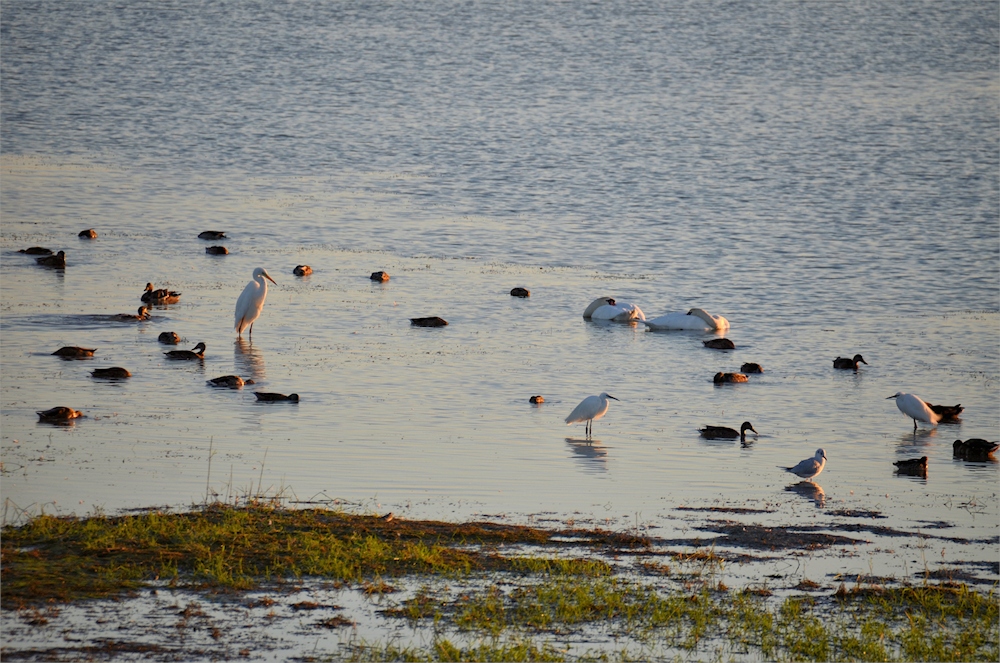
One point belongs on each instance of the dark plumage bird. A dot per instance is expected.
(161, 296)
(536, 399)
(379, 276)
(141, 314)
(197, 352)
(722, 378)
(89, 233)
(720, 344)
(724, 433)
(520, 292)
(114, 373)
(751, 367)
(217, 251)
(169, 338)
(74, 351)
(302, 270)
(212, 234)
(36, 251)
(849, 364)
(59, 414)
(58, 260)
(231, 381)
(265, 396)
(916, 466)
(974, 449)
(947, 412)
(428, 322)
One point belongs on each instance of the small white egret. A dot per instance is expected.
(696, 319)
(606, 308)
(810, 467)
(590, 408)
(251, 301)
(915, 408)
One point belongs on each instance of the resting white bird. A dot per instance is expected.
(810, 467)
(590, 408)
(695, 319)
(606, 308)
(251, 301)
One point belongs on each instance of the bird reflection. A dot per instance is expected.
(922, 437)
(809, 490)
(248, 360)
(591, 453)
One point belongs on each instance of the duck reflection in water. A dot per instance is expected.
(809, 490)
(591, 453)
(249, 360)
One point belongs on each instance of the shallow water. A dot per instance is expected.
(823, 176)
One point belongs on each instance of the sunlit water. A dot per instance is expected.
(825, 176)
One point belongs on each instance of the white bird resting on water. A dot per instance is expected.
(696, 319)
(810, 467)
(590, 408)
(251, 301)
(915, 408)
(606, 308)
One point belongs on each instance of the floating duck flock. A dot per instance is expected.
(250, 305)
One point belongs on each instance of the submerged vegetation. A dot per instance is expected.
(488, 591)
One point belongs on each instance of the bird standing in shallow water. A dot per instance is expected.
(810, 467)
(251, 301)
(589, 409)
(915, 408)
(197, 352)
(724, 433)
(849, 364)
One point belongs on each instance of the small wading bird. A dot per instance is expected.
(751, 367)
(720, 344)
(231, 381)
(197, 352)
(724, 433)
(974, 449)
(849, 364)
(915, 408)
(696, 319)
(59, 414)
(606, 308)
(251, 301)
(589, 409)
(58, 260)
(141, 314)
(270, 397)
(161, 296)
(722, 378)
(74, 351)
(810, 467)
(113, 373)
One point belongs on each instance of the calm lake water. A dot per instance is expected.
(823, 175)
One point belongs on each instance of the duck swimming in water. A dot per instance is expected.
(161, 296)
(722, 378)
(607, 308)
(169, 338)
(751, 367)
(212, 234)
(58, 260)
(217, 251)
(947, 412)
(36, 251)
(696, 319)
(114, 373)
(197, 352)
(89, 233)
(914, 466)
(381, 277)
(720, 344)
(231, 381)
(429, 322)
(849, 364)
(520, 292)
(724, 433)
(302, 270)
(74, 351)
(270, 397)
(59, 414)
(141, 314)
(974, 449)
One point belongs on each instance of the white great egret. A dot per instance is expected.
(810, 467)
(724, 433)
(590, 408)
(696, 319)
(915, 408)
(251, 301)
(606, 308)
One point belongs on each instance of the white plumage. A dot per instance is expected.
(590, 408)
(810, 467)
(606, 308)
(251, 301)
(915, 408)
(696, 319)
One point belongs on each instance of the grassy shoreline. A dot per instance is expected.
(488, 591)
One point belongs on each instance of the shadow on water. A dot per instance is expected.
(593, 456)
(248, 360)
(809, 490)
